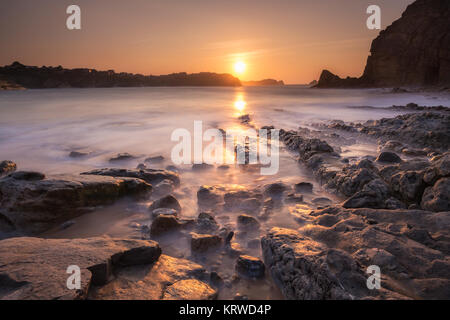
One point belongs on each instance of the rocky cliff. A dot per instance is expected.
(413, 51)
(57, 77)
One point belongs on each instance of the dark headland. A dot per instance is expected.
(413, 52)
(18, 75)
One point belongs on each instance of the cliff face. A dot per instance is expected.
(58, 77)
(413, 51)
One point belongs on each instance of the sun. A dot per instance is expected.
(239, 67)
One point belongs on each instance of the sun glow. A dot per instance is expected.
(239, 103)
(239, 67)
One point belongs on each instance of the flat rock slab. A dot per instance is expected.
(168, 278)
(35, 268)
(31, 203)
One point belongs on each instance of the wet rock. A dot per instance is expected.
(122, 157)
(322, 201)
(247, 222)
(7, 167)
(67, 224)
(190, 289)
(414, 152)
(275, 189)
(250, 267)
(409, 185)
(204, 242)
(168, 201)
(156, 159)
(216, 280)
(33, 203)
(27, 263)
(233, 199)
(164, 187)
(393, 145)
(294, 198)
(206, 222)
(437, 197)
(201, 166)
(149, 175)
(151, 282)
(78, 154)
(223, 167)
(27, 175)
(208, 196)
(239, 296)
(251, 205)
(166, 211)
(163, 224)
(304, 187)
(141, 166)
(388, 157)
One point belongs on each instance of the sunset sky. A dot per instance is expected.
(291, 40)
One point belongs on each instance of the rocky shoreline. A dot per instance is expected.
(395, 213)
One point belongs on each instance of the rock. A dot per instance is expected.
(168, 201)
(373, 195)
(163, 224)
(166, 211)
(254, 244)
(388, 157)
(223, 167)
(247, 222)
(164, 187)
(208, 196)
(190, 289)
(78, 154)
(437, 197)
(149, 175)
(275, 190)
(250, 267)
(141, 166)
(294, 198)
(32, 203)
(206, 222)
(67, 224)
(250, 205)
(201, 166)
(7, 167)
(34, 268)
(216, 280)
(156, 159)
(298, 265)
(204, 242)
(303, 187)
(322, 201)
(410, 52)
(409, 184)
(27, 175)
(122, 157)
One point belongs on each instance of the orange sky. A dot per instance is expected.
(292, 40)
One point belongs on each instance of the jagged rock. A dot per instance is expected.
(150, 282)
(164, 223)
(201, 166)
(250, 267)
(191, 289)
(412, 51)
(34, 268)
(322, 201)
(247, 222)
(304, 187)
(204, 242)
(437, 197)
(148, 175)
(293, 198)
(169, 202)
(388, 157)
(7, 167)
(409, 184)
(373, 195)
(31, 203)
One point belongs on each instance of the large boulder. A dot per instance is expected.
(7, 167)
(31, 203)
(34, 268)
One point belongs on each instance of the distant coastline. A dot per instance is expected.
(19, 76)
